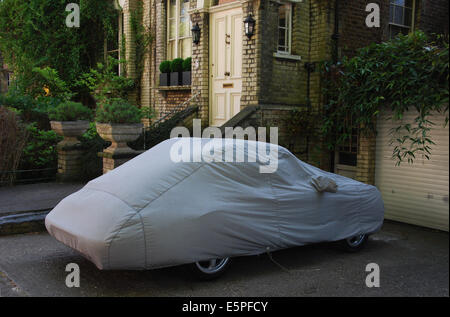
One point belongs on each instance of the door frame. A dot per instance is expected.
(212, 10)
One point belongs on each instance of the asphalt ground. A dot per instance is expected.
(413, 261)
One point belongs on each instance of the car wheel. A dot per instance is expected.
(212, 269)
(354, 244)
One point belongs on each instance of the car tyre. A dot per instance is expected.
(210, 270)
(354, 244)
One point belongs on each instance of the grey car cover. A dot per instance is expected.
(157, 211)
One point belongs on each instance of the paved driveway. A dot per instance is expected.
(413, 262)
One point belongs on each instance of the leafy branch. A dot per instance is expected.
(405, 74)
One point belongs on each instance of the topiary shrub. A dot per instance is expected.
(176, 65)
(70, 111)
(118, 110)
(164, 67)
(187, 64)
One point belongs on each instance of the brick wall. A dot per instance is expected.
(251, 54)
(200, 63)
(432, 16)
(154, 18)
(353, 31)
(283, 81)
(170, 99)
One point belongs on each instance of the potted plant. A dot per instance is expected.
(119, 122)
(176, 69)
(70, 120)
(164, 76)
(186, 78)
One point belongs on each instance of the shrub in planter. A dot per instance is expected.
(164, 76)
(176, 69)
(119, 122)
(70, 120)
(70, 111)
(186, 77)
(31, 109)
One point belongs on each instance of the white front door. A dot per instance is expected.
(225, 65)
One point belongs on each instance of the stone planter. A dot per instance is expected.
(119, 134)
(69, 152)
(70, 130)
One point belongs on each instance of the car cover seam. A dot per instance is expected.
(145, 240)
(277, 204)
(115, 196)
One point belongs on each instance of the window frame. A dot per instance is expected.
(288, 30)
(177, 39)
(403, 26)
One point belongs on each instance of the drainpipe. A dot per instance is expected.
(335, 36)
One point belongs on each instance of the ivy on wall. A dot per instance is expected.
(33, 35)
(407, 73)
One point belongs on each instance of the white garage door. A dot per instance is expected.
(417, 193)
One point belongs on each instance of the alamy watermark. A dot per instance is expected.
(373, 278)
(73, 278)
(373, 18)
(232, 148)
(73, 18)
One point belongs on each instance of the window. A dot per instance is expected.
(284, 28)
(178, 29)
(401, 17)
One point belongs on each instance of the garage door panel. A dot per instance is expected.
(417, 193)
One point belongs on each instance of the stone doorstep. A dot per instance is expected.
(23, 222)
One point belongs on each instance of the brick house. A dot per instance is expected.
(258, 80)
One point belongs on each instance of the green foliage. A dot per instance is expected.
(91, 163)
(33, 35)
(118, 110)
(49, 80)
(187, 63)
(176, 65)
(103, 81)
(40, 149)
(142, 38)
(70, 111)
(407, 73)
(31, 109)
(164, 67)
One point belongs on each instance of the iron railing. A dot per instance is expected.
(160, 127)
(28, 176)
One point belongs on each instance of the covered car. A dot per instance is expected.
(158, 210)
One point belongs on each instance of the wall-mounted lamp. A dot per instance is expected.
(249, 26)
(195, 34)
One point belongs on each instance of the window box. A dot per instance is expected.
(186, 78)
(164, 79)
(175, 78)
